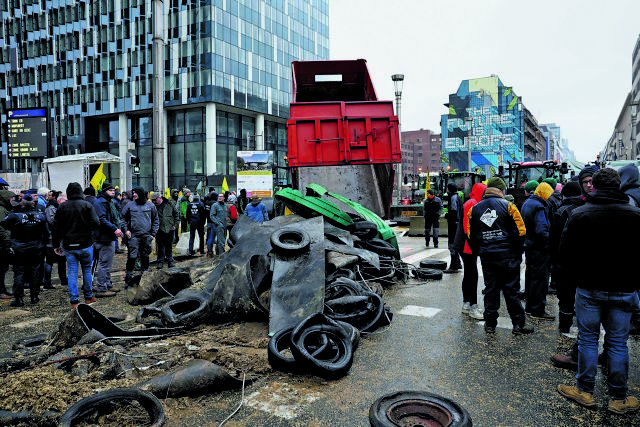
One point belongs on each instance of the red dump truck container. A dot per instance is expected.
(336, 118)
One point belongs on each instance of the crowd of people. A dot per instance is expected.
(555, 230)
(81, 230)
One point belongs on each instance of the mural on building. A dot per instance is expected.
(486, 116)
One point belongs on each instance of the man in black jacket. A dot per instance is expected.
(29, 234)
(104, 239)
(432, 211)
(196, 219)
(453, 213)
(73, 224)
(605, 296)
(169, 221)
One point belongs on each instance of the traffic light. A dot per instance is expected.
(135, 162)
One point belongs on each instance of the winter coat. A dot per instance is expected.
(553, 203)
(432, 208)
(184, 202)
(141, 219)
(461, 242)
(109, 219)
(257, 212)
(29, 230)
(195, 212)
(208, 202)
(218, 214)
(559, 221)
(535, 214)
(495, 228)
(49, 215)
(611, 265)
(241, 204)
(5, 209)
(629, 183)
(454, 210)
(75, 220)
(168, 216)
(232, 210)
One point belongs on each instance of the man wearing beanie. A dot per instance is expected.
(585, 178)
(605, 296)
(140, 225)
(104, 239)
(432, 210)
(535, 214)
(496, 233)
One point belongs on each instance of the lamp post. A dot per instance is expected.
(398, 79)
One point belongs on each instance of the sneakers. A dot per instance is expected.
(564, 361)
(522, 330)
(543, 316)
(628, 404)
(466, 307)
(90, 300)
(490, 329)
(475, 312)
(105, 294)
(580, 397)
(6, 295)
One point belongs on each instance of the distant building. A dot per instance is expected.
(635, 99)
(421, 151)
(489, 119)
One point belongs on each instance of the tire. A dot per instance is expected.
(418, 407)
(379, 246)
(331, 366)
(352, 332)
(428, 273)
(365, 230)
(379, 305)
(290, 242)
(341, 272)
(100, 401)
(433, 263)
(279, 342)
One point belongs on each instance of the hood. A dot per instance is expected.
(544, 191)
(629, 177)
(477, 191)
(74, 191)
(142, 196)
(5, 198)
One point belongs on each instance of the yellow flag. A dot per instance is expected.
(98, 178)
(167, 193)
(225, 186)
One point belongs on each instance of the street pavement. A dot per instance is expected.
(500, 379)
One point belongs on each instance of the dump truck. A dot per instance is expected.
(340, 135)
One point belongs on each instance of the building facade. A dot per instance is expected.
(223, 68)
(421, 152)
(635, 99)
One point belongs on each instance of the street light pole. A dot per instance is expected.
(397, 84)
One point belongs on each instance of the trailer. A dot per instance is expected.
(58, 172)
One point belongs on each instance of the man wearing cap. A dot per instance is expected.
(140, 225)
(535, 214)
(496, 233)
(169, 220)
(104, 239)
(604, 296)
(29, 234)
(73, 225)
(432, 210)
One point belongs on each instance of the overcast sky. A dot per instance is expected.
(569, 60)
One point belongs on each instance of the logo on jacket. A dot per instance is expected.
(489, 217)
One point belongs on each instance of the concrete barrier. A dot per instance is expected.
(416, 227)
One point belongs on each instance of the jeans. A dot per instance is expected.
(536, 282)
(612, 310)
(503, 275)
(211, 236)
(106, 252)
(83, 257)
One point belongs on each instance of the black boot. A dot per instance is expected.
(17, 302)
(564, 322)
(35, 299)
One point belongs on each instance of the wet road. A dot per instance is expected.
(501, 379)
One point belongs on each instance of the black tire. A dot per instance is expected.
(423, 407)
(427, 273)
(377, 313)
(379, 246)
(290, 242)
(352, 332)
(279, 342)
(101, 402)
(330, 366)
(433, 263)
(341, 272)
(365, 230)
(342, 287)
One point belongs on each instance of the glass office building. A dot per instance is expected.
(226, 70)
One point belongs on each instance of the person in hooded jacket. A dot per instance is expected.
(169, 220)
(105, 238)
(5, 241)
(140, 224)
(29, 234)
(242, 202)
(469, 259)
(50, 256)
(175, 200)
(629, 184)
(535, 214)
(256, 210)
(196, 219)
(232, 212)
